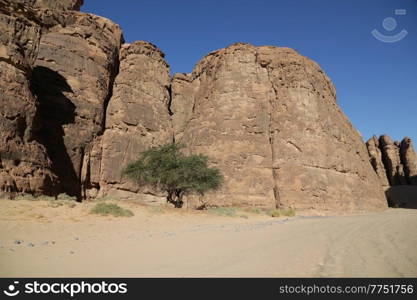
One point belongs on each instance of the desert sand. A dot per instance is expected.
(39, 240)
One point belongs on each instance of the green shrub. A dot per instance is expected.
(166, 168)
(115, 210)
(31, 197)
(276, 213)
(46, 198)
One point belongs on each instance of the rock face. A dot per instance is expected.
(73, 79)
(53, 4)
(409, 159)
(394, 162)
(77, 107)
(137, 115)
(268, 118)
(375, 155)
(24, 164)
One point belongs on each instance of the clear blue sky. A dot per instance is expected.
(376, 81)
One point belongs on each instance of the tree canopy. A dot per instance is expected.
(167, 168)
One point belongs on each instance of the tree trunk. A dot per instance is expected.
(169, 196)
(179, 194)
(175, 197)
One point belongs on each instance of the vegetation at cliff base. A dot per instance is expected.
(276, 213)
(167, 168)
(106, 209)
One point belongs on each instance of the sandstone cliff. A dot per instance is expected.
(394, 162)
(53, 4)
(375, 155)
(24, 163)
(266, 116)
(137, 116)
(409, 159)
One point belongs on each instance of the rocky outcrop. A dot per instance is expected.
(391, 159)
(73, 79)
(269, 120)
(375, 155)
(69, 61)
(397, 159)
(137, 115)
(52, 4)
(409, 159)
(56, 5)
(24, 164)
(77, 107)
(404, 196)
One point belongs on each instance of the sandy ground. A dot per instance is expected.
(38, 240)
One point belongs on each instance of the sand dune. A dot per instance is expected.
(62, 242)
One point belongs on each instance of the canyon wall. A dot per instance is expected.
(396, 166)
(72, 78)
(24, 163)
(394, 162)
(52, 4)
(268, 118)
(85, 105)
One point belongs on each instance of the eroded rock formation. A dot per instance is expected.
(269, 120)
(137, 115)
(73, 76)
(266, 116)
(394, 162)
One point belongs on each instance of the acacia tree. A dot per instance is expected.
(168, 169)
